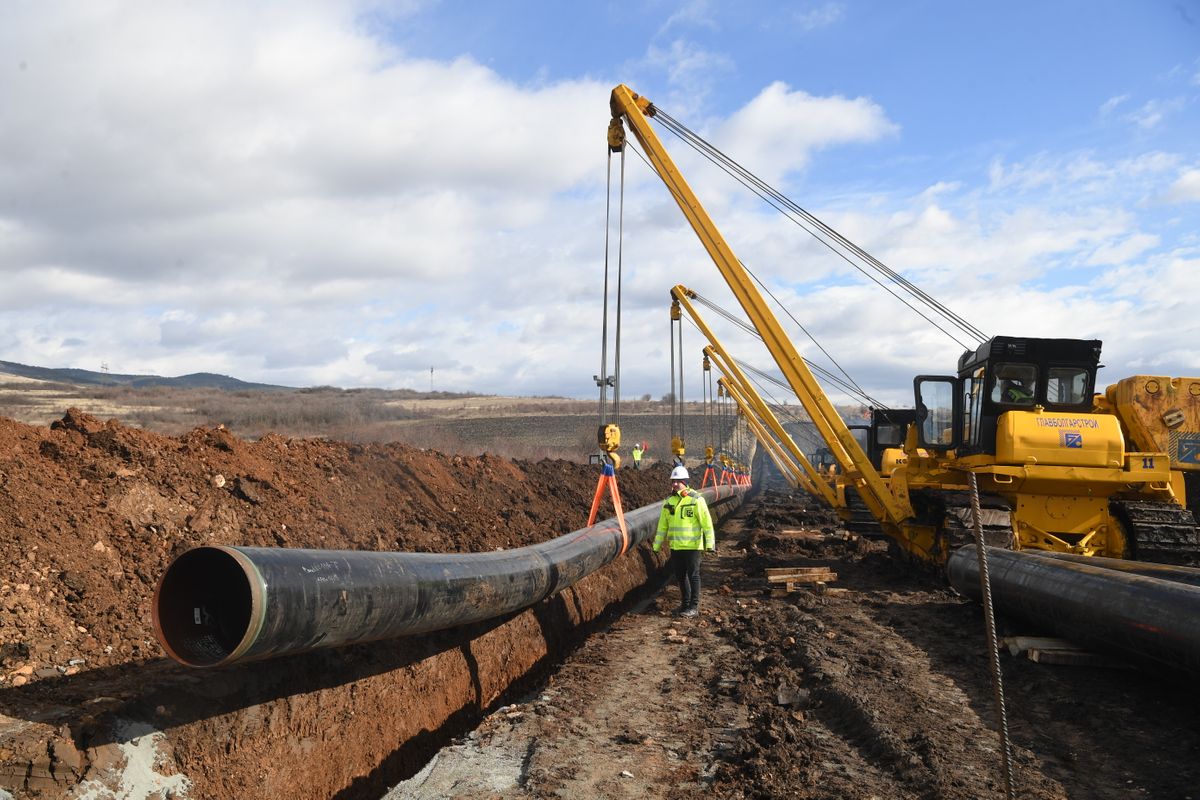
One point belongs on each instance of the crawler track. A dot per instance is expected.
(1163, 533)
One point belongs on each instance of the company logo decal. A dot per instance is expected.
(1071, 439)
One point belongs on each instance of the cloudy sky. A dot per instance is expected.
(350, 193)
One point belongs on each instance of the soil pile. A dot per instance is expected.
(92, 512)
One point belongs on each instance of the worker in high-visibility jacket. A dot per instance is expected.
(687, 528)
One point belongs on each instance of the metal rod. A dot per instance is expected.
(1138, 617)
(219, 605)
(989, 618)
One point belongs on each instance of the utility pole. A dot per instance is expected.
(431, 379)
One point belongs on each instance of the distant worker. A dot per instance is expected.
(638, 450)
(687, 527)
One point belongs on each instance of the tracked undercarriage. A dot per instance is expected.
(1164, 533)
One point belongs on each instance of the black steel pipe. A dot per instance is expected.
(1167, 572)
(219, 605)
(1136, 616)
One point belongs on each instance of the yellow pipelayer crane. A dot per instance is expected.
(890, 510)
(1053, 474)
(801, 471)
(787, 467)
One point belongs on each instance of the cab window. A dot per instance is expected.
(1067, 385)
(890, 435)
(1015, 384)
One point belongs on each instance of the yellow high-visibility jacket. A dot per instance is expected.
(685, 523)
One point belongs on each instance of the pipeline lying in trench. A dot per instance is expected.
(219, 605)
(1168, 572)
(1139, 617)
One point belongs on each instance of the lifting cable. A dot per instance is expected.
(604, 379)
(709, 415)
(847, 384)
(834, 241)
(677, 432)
(770, 294)
(609, 435)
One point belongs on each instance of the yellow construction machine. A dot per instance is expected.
(1053, 472)
(1161, 414)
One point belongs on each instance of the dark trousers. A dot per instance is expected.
(687, 571)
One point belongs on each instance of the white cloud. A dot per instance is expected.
(274, 192)
(1124, 250)
(1111, 104)
(821, 16)
(1153, 112)
(1186, 189)
(777, 131)
(691, 13)
(690, 72)
(1077, 172)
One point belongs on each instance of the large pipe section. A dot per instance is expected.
(222, 604)
(1167, 572)
(1136, 616)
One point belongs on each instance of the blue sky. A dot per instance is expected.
(345, 193)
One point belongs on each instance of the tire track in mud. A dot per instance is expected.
(847, 702)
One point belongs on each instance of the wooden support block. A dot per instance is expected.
(1072, 658)
(816, 577)
(803, 577)
(1020, 644)
(793, 570)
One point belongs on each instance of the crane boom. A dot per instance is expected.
(810, 479)
(787, 467)
(629, 108)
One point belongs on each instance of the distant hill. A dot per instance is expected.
(197, 380)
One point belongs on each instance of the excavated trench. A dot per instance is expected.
(95, 512)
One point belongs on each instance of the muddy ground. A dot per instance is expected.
(876, 687)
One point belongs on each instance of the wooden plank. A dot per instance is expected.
(817, 577)
(793, 570)
(802, 576)
(1072, 658)
(1020, 644)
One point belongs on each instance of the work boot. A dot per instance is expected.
(690, 612)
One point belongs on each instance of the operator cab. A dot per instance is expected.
(886, 432)
(1006, 373)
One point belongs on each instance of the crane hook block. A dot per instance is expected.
(609, 438)
(616, 135)
(677, 445)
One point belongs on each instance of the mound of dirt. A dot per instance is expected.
(92, 512)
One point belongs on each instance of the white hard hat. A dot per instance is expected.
(679, 474)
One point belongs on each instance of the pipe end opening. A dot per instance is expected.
(202, 606)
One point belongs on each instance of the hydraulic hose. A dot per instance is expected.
(217, 605)
(1138, 617)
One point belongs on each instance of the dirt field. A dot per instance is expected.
(877, 687)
